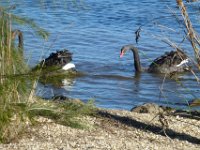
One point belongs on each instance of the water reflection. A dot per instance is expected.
(48, 88)
(67, 84)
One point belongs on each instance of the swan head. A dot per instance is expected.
(125, 48)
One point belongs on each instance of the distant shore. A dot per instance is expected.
(116, 129)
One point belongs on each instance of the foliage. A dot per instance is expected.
(65, 112)
(18, 106)
(24, 21)
(15, 117)
(13, 90)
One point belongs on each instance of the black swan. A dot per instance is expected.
(170, 62)
(61, 60)
(57, 70)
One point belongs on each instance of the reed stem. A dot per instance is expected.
(193, 38)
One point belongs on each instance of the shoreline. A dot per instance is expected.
(114, 129)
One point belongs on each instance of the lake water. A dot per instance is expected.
(95, 31)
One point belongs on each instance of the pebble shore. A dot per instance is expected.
(113, 130)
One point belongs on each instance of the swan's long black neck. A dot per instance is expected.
(136, 57)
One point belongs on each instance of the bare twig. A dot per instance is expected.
(137, 34)
(193, 38)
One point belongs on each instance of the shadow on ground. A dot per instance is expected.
(150, 128)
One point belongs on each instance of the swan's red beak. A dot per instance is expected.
(121, 54)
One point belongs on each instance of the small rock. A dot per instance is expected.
(150, 108)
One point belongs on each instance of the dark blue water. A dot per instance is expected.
(95, 31)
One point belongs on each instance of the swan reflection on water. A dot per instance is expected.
(51, 89)
(67, 84)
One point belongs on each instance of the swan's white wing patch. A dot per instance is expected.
(68, 66)
(183, 62)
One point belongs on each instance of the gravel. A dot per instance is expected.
(113, 130)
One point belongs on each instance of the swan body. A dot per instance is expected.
(60, 60)
(170, 62)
